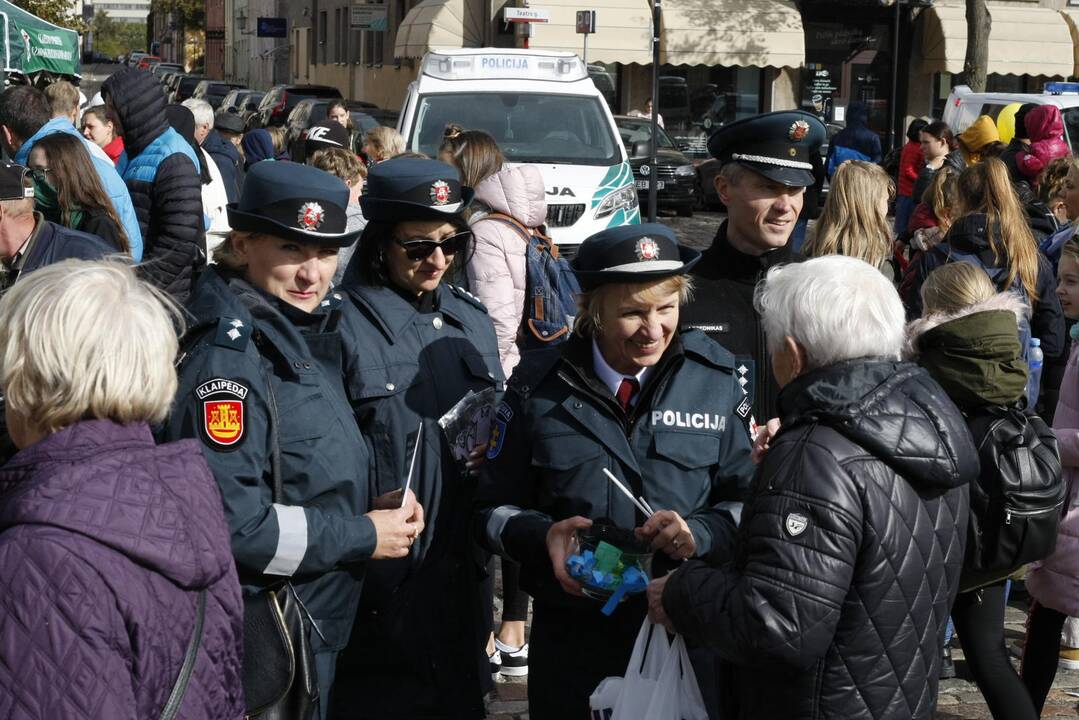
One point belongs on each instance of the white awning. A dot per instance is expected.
(439, 25)
(1024, 40)
(622, 30)
(743, 33)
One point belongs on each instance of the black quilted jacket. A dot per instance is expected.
(849, 552)
(163, 180)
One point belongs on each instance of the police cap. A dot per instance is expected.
(293, 201)
(776, 145)
(414, 189)
(631, 254)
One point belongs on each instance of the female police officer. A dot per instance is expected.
(416, 346)
(631, 394)
(261, 384)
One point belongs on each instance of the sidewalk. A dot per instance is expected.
(959, 699)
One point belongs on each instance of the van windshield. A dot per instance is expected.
(529, 127)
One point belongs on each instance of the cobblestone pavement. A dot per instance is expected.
(959, 699)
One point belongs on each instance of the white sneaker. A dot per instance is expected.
(495, 663)
(514, 660)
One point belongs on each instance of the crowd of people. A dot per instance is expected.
(229, 489)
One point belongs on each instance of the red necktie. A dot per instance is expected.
(626, 388)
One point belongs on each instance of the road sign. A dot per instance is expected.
(525, 15)
(368, 16)
(586, 22)
(274, 27)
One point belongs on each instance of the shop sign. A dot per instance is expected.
(368, 16)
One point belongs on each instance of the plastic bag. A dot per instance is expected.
(627, 698)
(677, 695)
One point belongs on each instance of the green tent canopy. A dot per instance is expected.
(32, 45)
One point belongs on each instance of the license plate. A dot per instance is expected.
(643, 184)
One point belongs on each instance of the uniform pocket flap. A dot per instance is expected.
(688, 449)
(383, 381)
(564, 452)
(479, 368)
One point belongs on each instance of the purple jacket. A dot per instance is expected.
(105, 540)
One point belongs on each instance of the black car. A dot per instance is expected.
(183, 88)
(235, 100)
(281, 99)
(676, 177)
(214, 91)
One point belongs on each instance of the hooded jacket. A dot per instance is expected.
(1054, 582)
(1045, 128)
(848, 555)
(227, 157)
(162, 174)
(106, 540)
(257, 145)
(497, 271)
(972, 140)
(111, 181)
(857, 135)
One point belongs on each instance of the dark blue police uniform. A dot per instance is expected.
(248, 355)
(418, 647)
(681, 446)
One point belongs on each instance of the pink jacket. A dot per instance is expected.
(496, 273)
(1054, 582)
(1045, 128)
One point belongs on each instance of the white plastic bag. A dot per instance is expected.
(677, 695)
(627, 698)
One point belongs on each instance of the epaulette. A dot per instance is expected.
(535, 365)
(468, 298)
(333, 300)
(697, 343)
(232, 333)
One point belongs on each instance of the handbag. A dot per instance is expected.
(279, 675)
(176, 697)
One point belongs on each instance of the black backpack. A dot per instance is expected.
(1018, 497)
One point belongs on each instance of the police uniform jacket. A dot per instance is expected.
(245, 357)
(681, 447)
(418, 647)
(722, 306)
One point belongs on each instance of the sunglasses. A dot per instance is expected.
(421, 248)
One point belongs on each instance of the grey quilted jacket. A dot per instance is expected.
(105, 541)
(848, 555)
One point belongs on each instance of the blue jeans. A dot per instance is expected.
(904, 208)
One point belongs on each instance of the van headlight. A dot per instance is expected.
(624, 198)
(685, 171)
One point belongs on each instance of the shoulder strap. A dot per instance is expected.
(176, 697)
(527, 233)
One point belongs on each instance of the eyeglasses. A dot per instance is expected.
(421, 248)
(39, 174)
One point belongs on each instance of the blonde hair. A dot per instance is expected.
(225, 254)
(340, 162)
(987, 188)
(279, 136)
(384, 142)
(853, 222)
(592, 304)
(81, 339)
(63, 97)
(1071, 249)
(954, 286)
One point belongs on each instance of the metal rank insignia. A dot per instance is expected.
(224, 419)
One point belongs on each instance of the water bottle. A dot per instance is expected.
(1035, 358)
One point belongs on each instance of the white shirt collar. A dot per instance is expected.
(611, 377)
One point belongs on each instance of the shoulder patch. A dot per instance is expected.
(498, 430)
(224, 413)
(468, 297)
(232, 333)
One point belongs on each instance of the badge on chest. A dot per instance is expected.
(687, 419)
(223, 405)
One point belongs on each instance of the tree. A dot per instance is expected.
(114, 37)
(976, 62)
(188, 13)
(58, 13)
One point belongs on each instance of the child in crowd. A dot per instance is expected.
(347, 166)
(1058, 189)
(382, 143)
(1045, 128)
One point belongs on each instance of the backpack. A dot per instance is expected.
(1017, 500)
(551, 289)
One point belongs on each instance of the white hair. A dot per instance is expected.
(202, 110)
(81, 339)
(837, 308)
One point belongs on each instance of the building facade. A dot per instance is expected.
(133, 11)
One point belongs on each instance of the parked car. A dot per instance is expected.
(233, 102)
(214, 91)
(250, 107)
(676, 177)
(184, 87)
(148, 62)
(281, 99)
(135, 56)
(161, 68)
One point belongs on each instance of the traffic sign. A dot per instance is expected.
(525, 15)
(586, 22)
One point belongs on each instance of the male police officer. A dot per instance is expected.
(766, 166)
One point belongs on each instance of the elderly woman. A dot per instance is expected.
(261, 389)
(114, 550)
(629, 393)
(851, 545)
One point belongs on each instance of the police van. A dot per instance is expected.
(964, 107)
(544, 110)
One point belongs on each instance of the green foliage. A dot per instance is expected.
(58, 13)
(191, 13)
(114, 37)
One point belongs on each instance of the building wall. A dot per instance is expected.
(257, 62)
(125, 10)
(215, 40)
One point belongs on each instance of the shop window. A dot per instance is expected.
(848, 63)
(695, 100)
